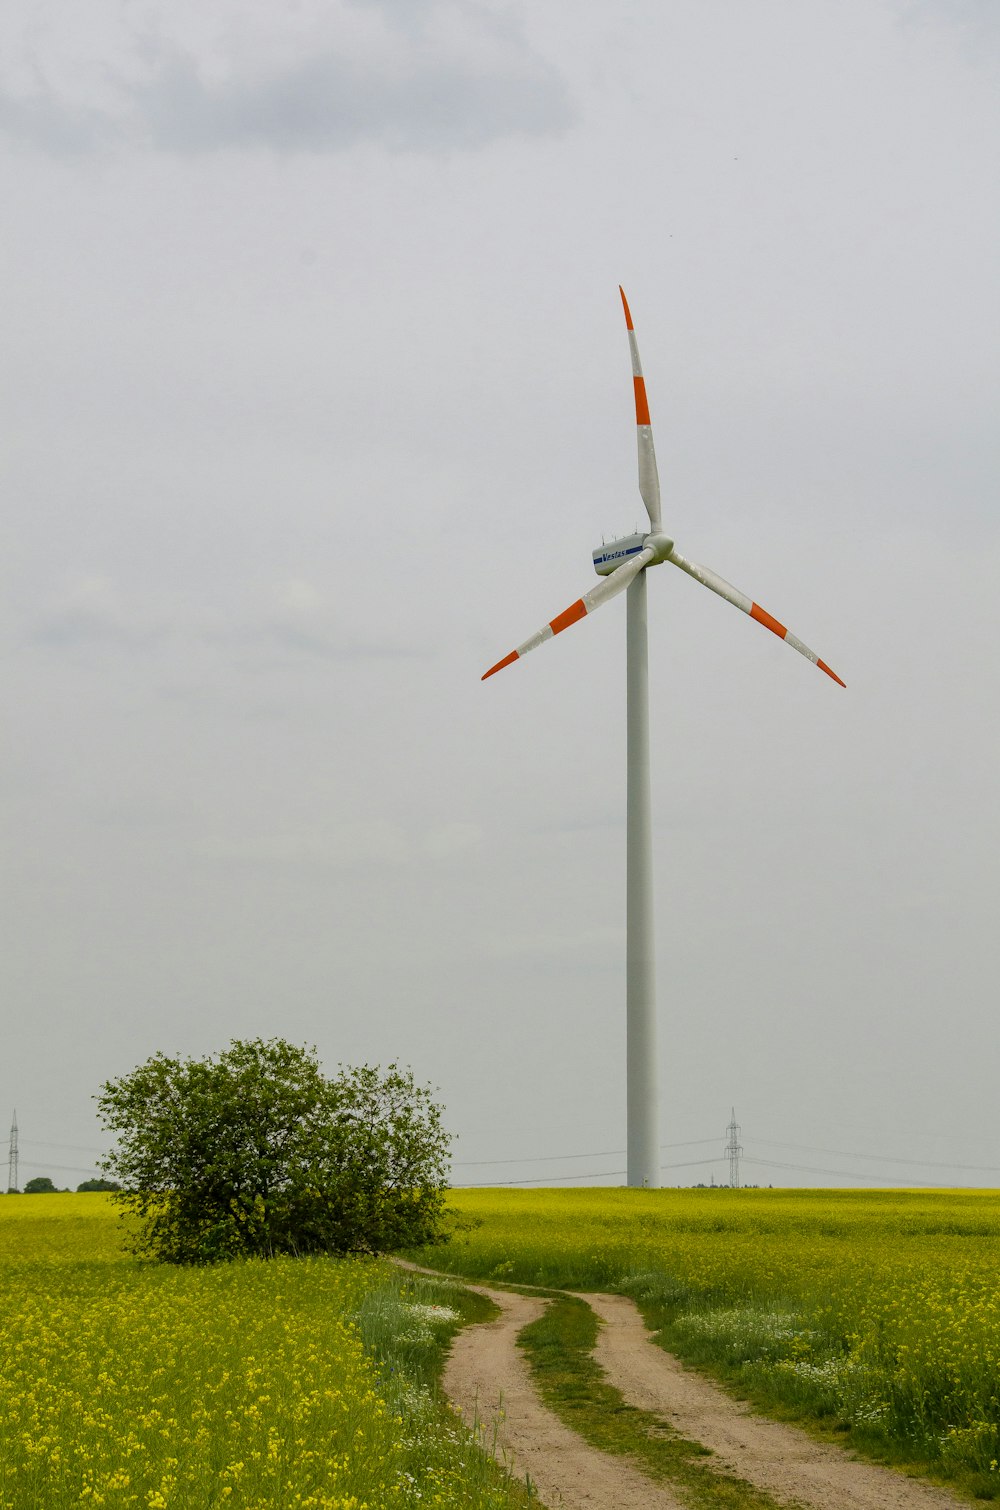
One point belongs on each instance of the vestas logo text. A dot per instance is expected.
(617, 555)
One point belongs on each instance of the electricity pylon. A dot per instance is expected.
(734, 1148)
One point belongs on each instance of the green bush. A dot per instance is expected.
(254, 1152)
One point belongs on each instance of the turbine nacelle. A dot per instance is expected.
(610, 556)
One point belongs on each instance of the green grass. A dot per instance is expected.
(559, 1347)
(407, 1326)
(408, 1323)
(753, 1351)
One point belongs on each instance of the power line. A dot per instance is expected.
(923, 1133)
(840, 1153)
(595, 1174)
(600, 1174)
(539, 1158)
(845, 1174)
(15, 1161)
(880, 1158)
(546, 1158)
(76, 1147)
(606, 1174)
(63, 1168)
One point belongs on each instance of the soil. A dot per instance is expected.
(488, 1379)
(780, 1459)
(487, 1376)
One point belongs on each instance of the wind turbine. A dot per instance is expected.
(622, 565)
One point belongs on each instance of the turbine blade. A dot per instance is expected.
(649, 481)
(609, 587)
(739, 599)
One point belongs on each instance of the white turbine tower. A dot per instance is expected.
(622, 564)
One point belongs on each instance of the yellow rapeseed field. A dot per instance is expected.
(125, 1383)
(880, 1309)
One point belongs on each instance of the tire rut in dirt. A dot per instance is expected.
(779, 1459)
(489, 1378)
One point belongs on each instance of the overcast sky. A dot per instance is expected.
(316, 400)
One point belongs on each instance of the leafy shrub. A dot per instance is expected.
(254, 1152)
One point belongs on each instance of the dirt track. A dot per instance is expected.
(488, 1377)
(785, 1462)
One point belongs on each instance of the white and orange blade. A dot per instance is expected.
(609, 587)
(649, 479)
(739, 599)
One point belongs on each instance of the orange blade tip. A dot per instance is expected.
(824, 667)
(628, 312)
(499, 665)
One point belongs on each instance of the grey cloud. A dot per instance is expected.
(77, 628)
(326, 643)
(296, 619)
(371, 841)
(262, 645)
(293, 621)
(976, 22)
(425, 102)
(53, 125)
(91, 615)
(329, 103)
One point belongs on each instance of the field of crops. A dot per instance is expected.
(878, 1312)
(305, 1383)
(132, 1384)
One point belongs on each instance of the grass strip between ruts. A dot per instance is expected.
(559, 1347)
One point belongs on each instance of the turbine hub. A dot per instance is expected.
(661, 545)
